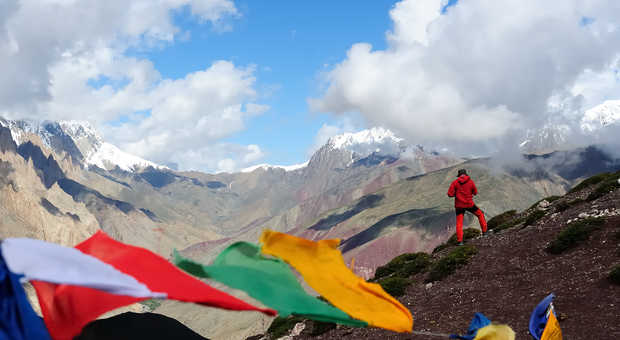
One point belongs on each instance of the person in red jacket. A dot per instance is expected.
(463, 190)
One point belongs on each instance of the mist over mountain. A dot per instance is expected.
(592, 128)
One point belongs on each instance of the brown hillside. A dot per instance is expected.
(512, 272)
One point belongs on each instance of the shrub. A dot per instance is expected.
(534, 216)
(509, 224)
(614, 275)
(394, 286)
(404, 265)
(440, 248)
(451, 262)
(573, 235)
(596, 179)
(468, 234)
(500, 219)
(608, 185)
(282, 326)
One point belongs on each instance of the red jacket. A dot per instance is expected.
(463, 190)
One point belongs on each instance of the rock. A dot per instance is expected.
(584, 215)
(428, 285)
(543, 205)
(300, 326)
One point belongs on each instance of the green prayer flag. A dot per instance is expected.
(268, 280)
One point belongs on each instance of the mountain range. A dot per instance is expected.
(380, 195)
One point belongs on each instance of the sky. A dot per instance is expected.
(220, 85)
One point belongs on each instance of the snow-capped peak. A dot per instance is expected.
(376, 140)
(269, 166)
(99, 153)
(375, 135)
(80, 140)
(79, 129)
(601, 115)
(108, 155)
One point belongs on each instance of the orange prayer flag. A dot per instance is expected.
(323, 268)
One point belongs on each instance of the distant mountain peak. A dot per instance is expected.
(373, 136)
(602, 115)
(557, 136)
(269, 166)
(80, 140)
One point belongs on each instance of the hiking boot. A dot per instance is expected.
(460, 243)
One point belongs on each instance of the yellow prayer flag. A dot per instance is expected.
(322, 266)
(552, 329)
(495, 332)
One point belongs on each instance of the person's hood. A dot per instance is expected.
(463, 179)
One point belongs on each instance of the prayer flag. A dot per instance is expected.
(269, 280)
(323, 268)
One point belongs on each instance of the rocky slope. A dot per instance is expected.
(567, 245)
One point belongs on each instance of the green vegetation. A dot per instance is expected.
(614, 275)
(394, 276)
(440, 248)
(451, 262)
(500, 219)
(610, 183)
(509, 224)
(151, 304)
(573, 235)
(596, 179)
(404, 265)
(394, 286)
(548, 199)
(534, 216)
(468, 233)
(282, 326)
(605, 183)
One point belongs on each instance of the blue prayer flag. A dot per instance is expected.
(477, 322)
(538, 319)
(17, 319)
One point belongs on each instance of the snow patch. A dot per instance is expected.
(370, 137)
(269, 166)
(108, 154)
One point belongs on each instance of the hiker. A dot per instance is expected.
(463, 190)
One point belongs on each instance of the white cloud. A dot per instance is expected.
(189, 114)
(479, 72)
(219, 157)
(346, 124)
(49, 70)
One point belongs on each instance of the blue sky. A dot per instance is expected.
(290, 42)
(188, 81)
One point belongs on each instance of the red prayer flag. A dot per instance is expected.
(67, 309)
